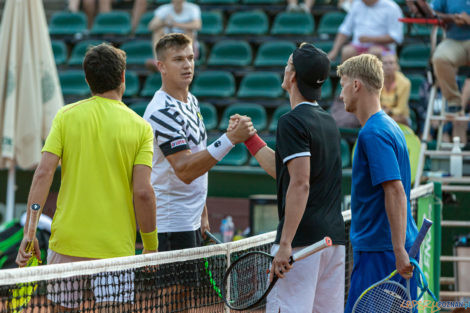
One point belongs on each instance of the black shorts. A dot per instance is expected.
(179, 240)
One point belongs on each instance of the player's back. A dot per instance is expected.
(100, 139)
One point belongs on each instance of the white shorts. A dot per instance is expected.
(313, 285)
(107, 287)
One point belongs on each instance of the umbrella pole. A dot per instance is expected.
(10, 207)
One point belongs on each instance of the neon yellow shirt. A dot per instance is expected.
(99, 141)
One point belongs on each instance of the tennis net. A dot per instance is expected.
(177, 281)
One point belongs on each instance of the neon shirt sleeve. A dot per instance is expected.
(145, 154)
(54, 142)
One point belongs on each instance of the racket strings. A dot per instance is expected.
(390, 297)
(249, 280)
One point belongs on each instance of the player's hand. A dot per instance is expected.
(242, 131)
(204, 225)
(233, 122)
(402, 262)
(23, 256)
(281, 264)
(464, 18)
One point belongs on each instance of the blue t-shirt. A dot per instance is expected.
(454, 7)
(381, 155)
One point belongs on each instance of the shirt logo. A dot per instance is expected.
(217, 143)
(320, 81)
(177, 143)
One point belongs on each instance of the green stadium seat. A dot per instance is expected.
(201, 60)
(416, 82)
(142, 28)
(139, 107)
(60, 51)
(222, 2)
(260, 85)
(112, 23)
(345, 153)
(67, 23)
(209, 114)
(151, 85)
(275, 53)
(330, 22)
(230, 53)
(73, 83)
(271, 143)
(213, 84)
(78, 52)
(236, 157)
(280, 111)
(415, 56)
(327, 90)
(138, 51)
(291, 23)
(326, 46)
(247, 23)
(132, 84)
(255, 111)
(212, 23)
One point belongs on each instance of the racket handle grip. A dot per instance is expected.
(33, 219)
(212, 237)
(419, 239)
(305, 252)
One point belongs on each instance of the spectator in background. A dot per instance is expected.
(90, 9)
(343, 118)
(345, 5)
(139, 8)
(454, 51)
(450, 54)
(374, 27)
(396, 91)
(178, 16)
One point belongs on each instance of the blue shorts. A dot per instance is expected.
(371, 267)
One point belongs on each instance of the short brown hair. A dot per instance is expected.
(173, 40)
(367, 68)
(103, 66)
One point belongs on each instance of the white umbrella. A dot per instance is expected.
(30, 93)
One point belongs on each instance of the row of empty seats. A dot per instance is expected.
(233, 53)
(255, 22)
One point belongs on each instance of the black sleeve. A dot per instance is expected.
(292, 139)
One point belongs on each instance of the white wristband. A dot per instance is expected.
(219, 148)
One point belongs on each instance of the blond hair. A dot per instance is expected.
(367, 68)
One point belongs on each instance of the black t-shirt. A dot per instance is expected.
(310, 131)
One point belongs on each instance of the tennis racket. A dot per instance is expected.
(246, 281)
(388, 295)
(21, 295)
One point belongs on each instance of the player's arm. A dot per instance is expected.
(145, 206)
(40, 186)
(188, 166)
(296, 201)
(396, 208)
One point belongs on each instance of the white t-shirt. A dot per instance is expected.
(190, 12)
(377, 20)
(177, 126)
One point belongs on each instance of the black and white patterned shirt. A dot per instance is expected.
(177, 126)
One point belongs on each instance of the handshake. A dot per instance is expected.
(240, 129)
